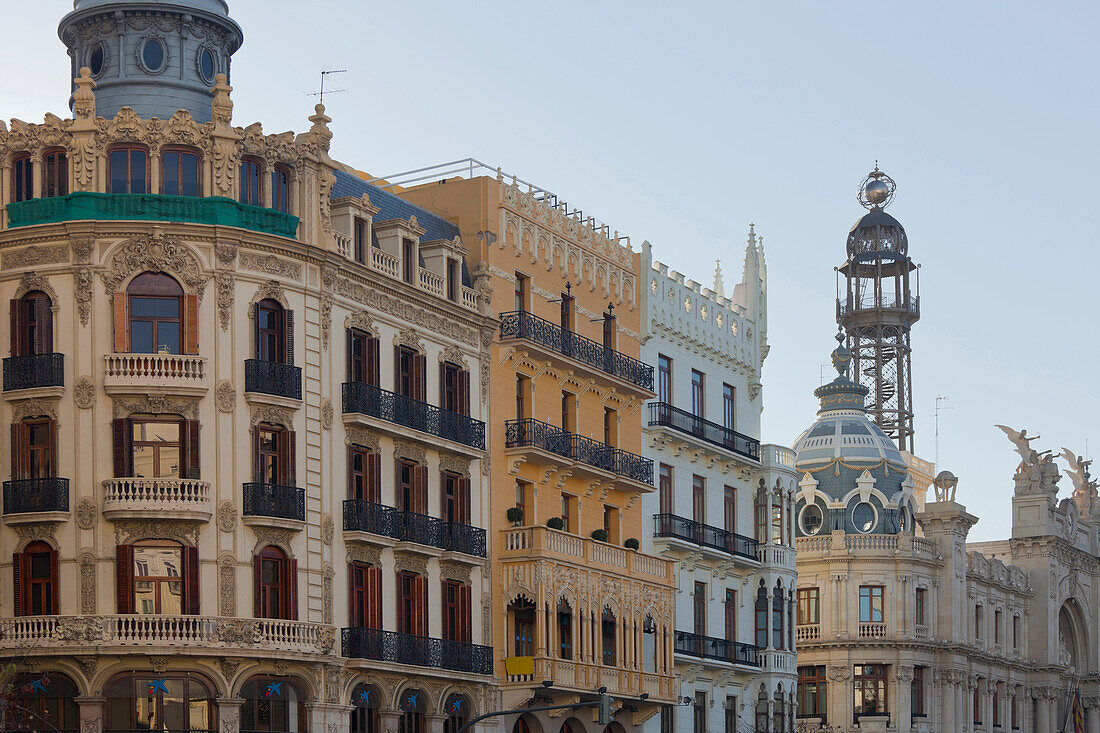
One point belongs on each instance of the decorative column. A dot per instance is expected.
(229, 714)
(36, 175)
(330, 717)
(391, 720)
(91, 713)
(436, 722)
(1042, 712)
(904, 677)
(1092, 716)
(265, 184)
(947, 698)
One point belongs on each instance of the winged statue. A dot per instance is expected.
(1022, 442)
(1079, 470)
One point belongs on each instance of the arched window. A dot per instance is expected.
(523, 725)
(779, 720)
(159, 702)
(32, 324)
(761, 616)
(607, 634)
(272, 332)
(280, 189)
(55, 174)
(36, 582)
(414, 707)
(650, 646)
(762, 711)
(127, 170)
(272, 704)
(777, 616)
(33, 451)
(565, 629)
(179, 173)
(22, 178)
(458, 710)
(251, 192)
(42, 702)
(155, 306)
(157, 577)
(275, 581)
(366, 700)
(523, 624)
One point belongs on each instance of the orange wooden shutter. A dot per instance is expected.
(465, 618)
(18, 457)
(191, 580)
(191, 318)
(374, 477)
(374, 597)
(122, 324)
(422, 490)
(16, 333)
(124, 578)
(420, 605)
(43, 331)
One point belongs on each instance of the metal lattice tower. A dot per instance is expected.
(879, 308)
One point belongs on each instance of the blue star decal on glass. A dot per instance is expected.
(275, 689)
(157, 686)
(456, 706)
(364, 697)
(35, 686)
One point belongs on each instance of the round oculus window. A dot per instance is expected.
(96, 59)
(152, 55)
(863, 517)
(207, 65)
(811, 519)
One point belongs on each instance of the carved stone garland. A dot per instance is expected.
(128, 532)
(188, 407)
(155, 252)
(227, 586)
(85, 513)
(225, 396)
(87, 583)
(355, 435)
(84, 393)
(274, 416)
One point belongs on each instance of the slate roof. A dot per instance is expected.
(394, 207)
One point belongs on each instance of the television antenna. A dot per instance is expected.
(321, 94)
(939, 407)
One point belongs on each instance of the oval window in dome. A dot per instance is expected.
(864, 517)
(95, 59)
(811, 519)
(152, 55)
(207, 65)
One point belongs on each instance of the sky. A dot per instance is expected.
(681, 122)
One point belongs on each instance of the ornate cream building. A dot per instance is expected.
(247, 391)
(724, 506)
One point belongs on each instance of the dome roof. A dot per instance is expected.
(877, 232)
(217, 7)
(848, 435)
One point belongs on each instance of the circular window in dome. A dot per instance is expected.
(153, 55)
(864, 517)
(811, 519)
(207, 65)
(96, 59)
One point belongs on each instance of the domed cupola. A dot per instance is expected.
(877, 235)
(853, 477)
(156, 56)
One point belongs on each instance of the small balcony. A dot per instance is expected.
(722, 650)
(420, 651)
(704, 535)
(386, 522)
(366, 399)
(590, 453)
(274, 504)
(805, 633)
(34, 371)
(273, 378)
(662, 414)
(462, 538)
(179, 374)
(872, 630)
(632, 375)
(882, 301)
(156, 498)
(30, 498)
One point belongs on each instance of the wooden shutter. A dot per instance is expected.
(464, 632)
(420, 377)
(443, 385)
(17, 575)
(397, 369)
(350, 343)
(51, 462)
(420, 605)
(373, 367)
(291, 463)
(374, 476)
(192, 432)
(257, 587)
(402, 626)
(257, 474)
(191, 580)
(289, 315)
(191, 323)
(464, 392)
(292, 589)
(462, 513)
(124, 578)
(43, 326)
(123, 453)
(55, 584)
(16, 332)
(18, 450)
(256, 329)
(374, 597)
(421, 478)
(121, 325)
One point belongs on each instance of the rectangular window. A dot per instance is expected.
(271, 455)
(611, 524)
(729, 509)
(664, 379)
(568, 512)
(158, 580)
(410, 377)
(522, 489)
(872, 603)
(127, 171)
(412, 490)
(1014, 721)
(730, 715)
(610, 427)
(699, 609)
(916, 704)
(270, 335)
(366, 595)
(870, 689)
(157, 449)
(523, 386)
(56, 174)
(760, 618)
(666, 719)
(777, 522)
(362, 357)
(976, 703)
(456, 498)
(610, 332)
(452, 280)
(997, 707)
(919, 611)
(698, 395)
(699, 712)
(760, 512)
(568, 409)
(730, 609)
(811, 692)
(364, 475)
(521, 292)
(565, 630)
(699, 499)
(1015, 632)
(410, 265)
(360, 244)
(729, 399)
(280, 189)
(454, 388)
(809, 607)
(456, 612)
(607, 636)
(566, 317)
(250, 191)
(997, 627)
(179, 173)
(664, 486)
(524, 629)
(412, 604)
(977, 622)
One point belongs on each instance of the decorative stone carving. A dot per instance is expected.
(35, 255)
(454, 464)
(272, 415)
(227, 516)
(409, 563)
(838, 673)
(87, 583)
(326, 414)
(326, 319)
(239, 631)
(328, 528)
(130, 531)
(154, 252)
(37, 532)
(84, 393)
(225, 396)
(411, 451)
(326, 593)
(85, 513)
(82, 248)
(271, 265)
(227, 586)
(225, 285)
(87, 665)
(229, 667)
(34, 408)
(187, 407)
(270, 290)
(78, 628)
(273, 536)
(454, 355)
(408, 337)
(401, 308)
(226, 253)
(454, 571)
(754, 390)
(362, 321)
(356, 435)
(82, 284)
(159, 664)
(32, 281)
(326, 638)
(365, 554)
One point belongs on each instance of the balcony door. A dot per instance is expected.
(410, 377)
(412, 604)
(412, 487)
(365, 589)
(32, 324)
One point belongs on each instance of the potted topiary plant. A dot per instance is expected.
(632, 543)
(600, 535)
(515, 515)
(555, 523)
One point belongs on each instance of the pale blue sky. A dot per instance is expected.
(682, 122)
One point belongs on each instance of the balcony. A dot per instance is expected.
(83, 206)
(366, 399)
(559, 443)
(872, 630)
(34, 371)
(804, 633)
(722, 650)
(665, 415)
(29, 499)
(633, 375)
(274, 504)
(421, 529)
(881, 301)
(156, 498)
(704, 535)
(421, 651)
(273, 378)
(840, 544)
(178, 374)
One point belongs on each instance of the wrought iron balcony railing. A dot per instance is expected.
(664, 414)
(538, 434)
(273, 378)
(422, 651)
(464, 538)
(709, 647)
(379, 519)
(360, 397)
(367, 516)
(704, 535)
(34, 370)
(274, 500)
(528, 326)
(22, 496)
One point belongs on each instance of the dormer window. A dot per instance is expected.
(409, 265)
(453, 275)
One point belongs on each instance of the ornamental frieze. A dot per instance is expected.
(271, 265)
(35, 255)
(128, 532)
(400, 308)
(156, 405)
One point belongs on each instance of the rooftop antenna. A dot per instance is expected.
(939, 399)
(321, 94)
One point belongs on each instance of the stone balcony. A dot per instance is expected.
(156, 498)
(160, 374)
(871, 546)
